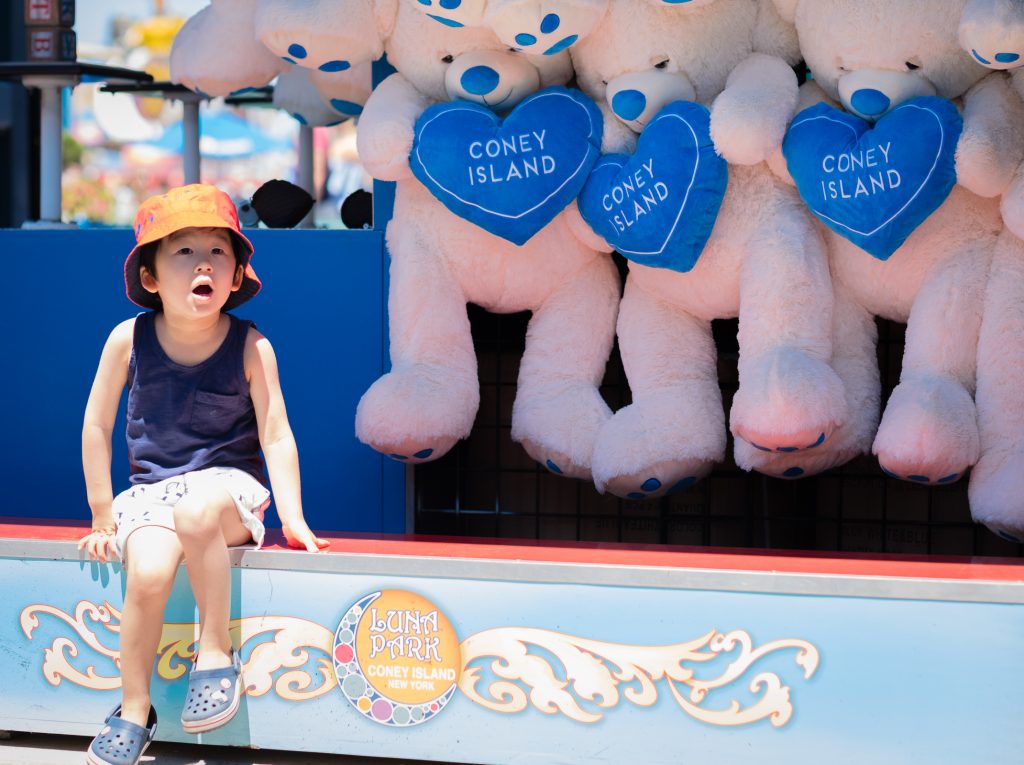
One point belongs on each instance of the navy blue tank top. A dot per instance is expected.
(183, 418)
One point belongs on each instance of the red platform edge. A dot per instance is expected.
(657, 556)
(611, 554)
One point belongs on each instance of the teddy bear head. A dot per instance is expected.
(445, 62)
(992, 31)
(645, 55)
(873, 55)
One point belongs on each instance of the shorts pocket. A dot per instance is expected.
(217, 413)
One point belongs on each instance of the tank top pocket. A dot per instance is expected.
(216, 414)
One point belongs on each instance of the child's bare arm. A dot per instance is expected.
(277, 441)
(100, 413)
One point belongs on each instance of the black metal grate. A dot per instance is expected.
(488, 486)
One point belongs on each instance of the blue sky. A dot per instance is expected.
(93, 25)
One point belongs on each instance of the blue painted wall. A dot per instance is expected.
(323, 307)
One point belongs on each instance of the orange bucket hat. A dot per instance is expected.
(195, 206)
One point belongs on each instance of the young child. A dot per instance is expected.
(203, 397)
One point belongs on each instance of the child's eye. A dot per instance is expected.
(218, 250)
(185, 251)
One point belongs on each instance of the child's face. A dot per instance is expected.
(195, 271)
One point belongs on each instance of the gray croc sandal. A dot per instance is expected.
(121, 742)
(213, 696)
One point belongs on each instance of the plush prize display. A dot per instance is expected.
(992, 31)
(900, 111)
(710, 233)
(478, 217)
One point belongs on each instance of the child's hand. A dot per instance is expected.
(299, 536)
(99, 543)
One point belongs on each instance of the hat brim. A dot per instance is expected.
(146, 299)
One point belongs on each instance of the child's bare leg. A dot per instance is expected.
(207, 522)
(152, 558)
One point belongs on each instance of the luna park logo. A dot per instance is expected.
(397, 658)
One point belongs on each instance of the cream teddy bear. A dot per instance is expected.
(762, 259)
(992, 31)
(911, 192)
(440, 261)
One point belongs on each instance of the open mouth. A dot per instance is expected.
(203, 290)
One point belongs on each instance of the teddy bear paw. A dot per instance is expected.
(557, 424)
(660, 480)
(739, 136)
(418, 413)
(787, 402)
(997, 493)
(839, 448)
(384, 151)
(929, 432)
(660, 443)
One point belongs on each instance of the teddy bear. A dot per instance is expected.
(895, 155)
(216, 53)
(992, 31)
(441, 259)
(714, 77)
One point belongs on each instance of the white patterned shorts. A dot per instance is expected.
(152, 504)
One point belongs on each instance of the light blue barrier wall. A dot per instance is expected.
(322, 306)
(538, 663)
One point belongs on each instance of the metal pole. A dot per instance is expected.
(51, 153)
(190, 133)
(306, 170)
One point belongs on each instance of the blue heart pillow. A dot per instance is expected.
(658, 206)
(875, 185)
(511, 177)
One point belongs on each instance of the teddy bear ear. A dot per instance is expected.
(787, 9)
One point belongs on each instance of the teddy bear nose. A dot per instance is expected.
(629, 104)
(479, 80)
(870, 101)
